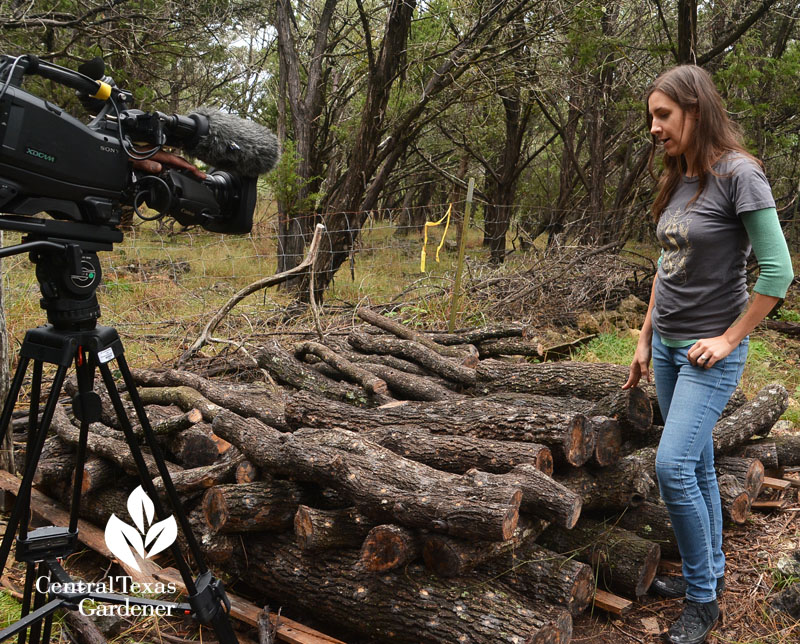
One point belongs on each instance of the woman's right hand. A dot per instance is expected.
(640, 367)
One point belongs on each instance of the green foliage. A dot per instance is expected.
(607, 347)
(286, 185)
(9, 609)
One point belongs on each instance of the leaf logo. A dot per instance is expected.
(126, 541)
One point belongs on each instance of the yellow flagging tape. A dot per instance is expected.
(425, 237)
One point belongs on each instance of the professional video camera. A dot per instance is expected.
(84, 176)
(51, 162)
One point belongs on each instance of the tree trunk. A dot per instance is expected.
(268, 506)
(408, 606)
(569, 435)
(459, 453)
(623, 561)
(317, 529)
(385, 486)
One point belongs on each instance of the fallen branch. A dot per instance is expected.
(265, 282)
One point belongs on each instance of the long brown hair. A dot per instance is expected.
(693, 89)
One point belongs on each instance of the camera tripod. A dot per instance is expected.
(68, 272)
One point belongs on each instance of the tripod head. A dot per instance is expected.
(67, 266)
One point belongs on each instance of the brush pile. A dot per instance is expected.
(411, 486)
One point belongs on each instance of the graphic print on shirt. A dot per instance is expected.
(673, 232)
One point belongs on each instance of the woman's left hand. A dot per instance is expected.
(708, 351)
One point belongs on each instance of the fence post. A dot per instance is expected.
(451, 325)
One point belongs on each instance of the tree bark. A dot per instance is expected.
(371, 383)
(381, 484)
(451, 557)
(408, 606)
(756, 417)
(749, 472)
(570, 436)
(410, 350)
(268, 506)
(459, 453)
(586, 380)
(466, 355)
(734, 498)
(534, 571)
(317, 529)
(651, 521)
(624, 562)
(287, 369)
(625, 484)
(251, 401)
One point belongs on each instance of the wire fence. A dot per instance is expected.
(165, 282)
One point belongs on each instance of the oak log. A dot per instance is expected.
(410, 350)
(317, 529)
(466, 355)
(570, 435)
(268, 506)
(250, 401)
(383, 485)
(371, 383)
(535, 571)
(734, 498)
(408, 606)
(459, 453)
(755, 417)
(628, 483)
(388, 546)
(651, 521)
(623, 561)
(451, 557)
(749, 472)
(288, 370)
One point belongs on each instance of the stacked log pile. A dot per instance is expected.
(413, 486)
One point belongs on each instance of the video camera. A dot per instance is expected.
(86, 174)
(51, 162)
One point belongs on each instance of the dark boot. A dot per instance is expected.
(694, 624)
(675, 587)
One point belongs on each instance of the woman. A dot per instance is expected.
(713, 203)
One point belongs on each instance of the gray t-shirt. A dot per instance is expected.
(701, 287)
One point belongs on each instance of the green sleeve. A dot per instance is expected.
(769, 245)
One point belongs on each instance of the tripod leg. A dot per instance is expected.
(207, 602)
(33, 412)
(20, 509)
(86, 407)
(38, 602)
(30, 573)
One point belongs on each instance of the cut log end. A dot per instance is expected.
(544, 461)
(608, 442)
(648, 570)
(582, 591)
(303, 526)
(215, 509)
(640, 409)
(739, 509)
(512, 516)
(387, 547)
(580, 439)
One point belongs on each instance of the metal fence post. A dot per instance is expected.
(451, 325)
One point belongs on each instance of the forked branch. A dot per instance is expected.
(265, 282)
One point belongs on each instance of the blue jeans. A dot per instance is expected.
(685, 458)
